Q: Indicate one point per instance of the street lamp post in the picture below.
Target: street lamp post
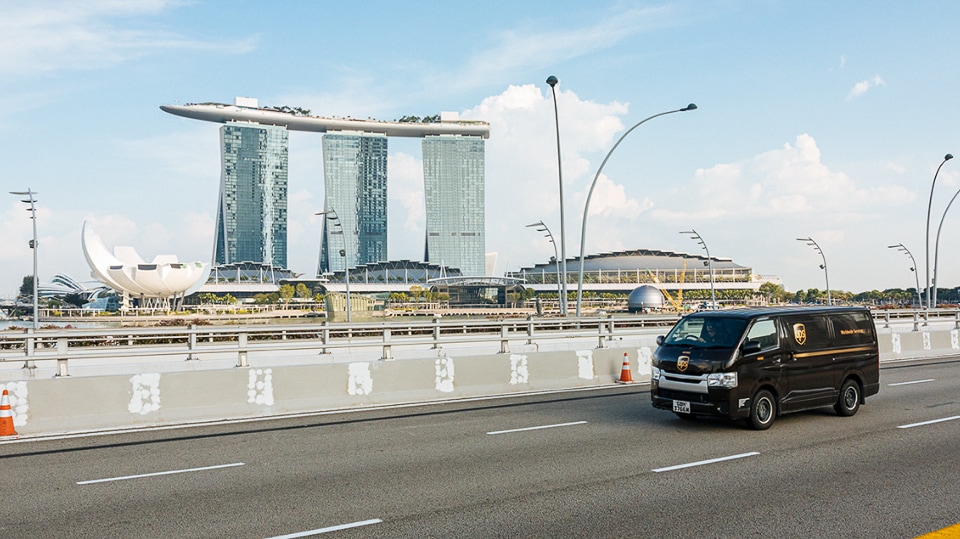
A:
(552, 81)
(543, 228)
(927, 235)
(823, 266)
(332, 215)
(586, 206)
(936, 248)
(713, 294)
(33, 245)
(903, 249)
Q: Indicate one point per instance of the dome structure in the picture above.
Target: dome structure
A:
(643, 298)
(153, 283)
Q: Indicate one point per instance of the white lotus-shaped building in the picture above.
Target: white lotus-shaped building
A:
(153, 283)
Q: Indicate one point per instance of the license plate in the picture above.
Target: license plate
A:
(681, 407)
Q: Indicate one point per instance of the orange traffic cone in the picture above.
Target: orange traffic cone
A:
(6, 417)
(626, 377)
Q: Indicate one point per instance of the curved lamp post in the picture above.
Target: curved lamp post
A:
(823, 266)
(586, 206)
(541, 227)
(552, 81)
(332, 215)
(33, 245)
(903, 249)
(927, 236)
(936, 248)
(713, 294)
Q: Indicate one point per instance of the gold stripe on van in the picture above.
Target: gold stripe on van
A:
(836, 351)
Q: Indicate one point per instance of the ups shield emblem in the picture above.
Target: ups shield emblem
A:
(682, 363)
(800, 334)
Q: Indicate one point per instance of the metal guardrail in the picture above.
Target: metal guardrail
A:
(66, 345)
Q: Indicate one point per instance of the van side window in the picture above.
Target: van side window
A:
(852, 329)
(807, 332)
(763, 332)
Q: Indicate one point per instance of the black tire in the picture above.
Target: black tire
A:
(763, 410)
(849, 400)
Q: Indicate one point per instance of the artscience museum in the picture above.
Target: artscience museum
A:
(161, 283)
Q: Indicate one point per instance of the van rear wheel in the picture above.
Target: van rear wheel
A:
(849, 401)
(763, 410)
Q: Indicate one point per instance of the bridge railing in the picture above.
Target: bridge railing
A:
(64, 346)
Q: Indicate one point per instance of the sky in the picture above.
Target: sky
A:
(817, 119)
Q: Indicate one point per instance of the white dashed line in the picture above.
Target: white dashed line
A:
(908, 383)
(931, 422)
(538, 428)
(329, 529)
(155, 474)
(702, 462)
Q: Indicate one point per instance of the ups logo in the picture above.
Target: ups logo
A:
(682, 363)
(800, 334)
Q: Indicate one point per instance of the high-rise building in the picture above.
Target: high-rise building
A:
(252, 211)
(453, 177)
(355, 180)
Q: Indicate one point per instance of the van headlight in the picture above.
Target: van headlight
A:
(722, 379)
(655, 373)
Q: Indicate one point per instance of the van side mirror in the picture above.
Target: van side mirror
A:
(659, 340)
(751, 347)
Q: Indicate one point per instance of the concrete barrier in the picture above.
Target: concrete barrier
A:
(76, 404)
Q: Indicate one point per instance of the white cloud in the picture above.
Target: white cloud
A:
(40, 37)
(863, 86)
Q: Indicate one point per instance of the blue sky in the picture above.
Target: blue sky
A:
(820, 119)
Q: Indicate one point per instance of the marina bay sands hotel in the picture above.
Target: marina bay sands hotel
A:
(252, 210)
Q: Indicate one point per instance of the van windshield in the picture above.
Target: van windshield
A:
(706, 332)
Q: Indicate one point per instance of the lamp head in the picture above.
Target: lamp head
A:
(948, 157)
(552, 81)
(691, 106)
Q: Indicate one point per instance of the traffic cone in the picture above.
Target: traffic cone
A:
(6, 417)
(626, 377)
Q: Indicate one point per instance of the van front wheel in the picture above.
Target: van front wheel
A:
(849, 401)
(763, 410)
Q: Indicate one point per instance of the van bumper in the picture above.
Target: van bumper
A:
(716, 402)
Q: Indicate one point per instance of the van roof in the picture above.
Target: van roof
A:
(755, 312)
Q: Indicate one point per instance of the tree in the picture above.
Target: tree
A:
(286, 292)
(773, 292)
(302, 291)
(26, 289)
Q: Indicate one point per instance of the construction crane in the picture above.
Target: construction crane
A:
(677, 303)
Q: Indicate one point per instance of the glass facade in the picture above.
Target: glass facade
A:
(355, 180)
(252, 212)
(453, 177)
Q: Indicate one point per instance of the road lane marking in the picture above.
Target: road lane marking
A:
(329, 529)
(538, 428)
(913, 382)
(931, 422)
(170, 472)
(702, 462)
(950, 532)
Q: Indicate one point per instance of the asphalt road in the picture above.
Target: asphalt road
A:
(599, 463)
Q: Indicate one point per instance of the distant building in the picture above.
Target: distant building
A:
(252, 211)
(355, 180)
(453, 177)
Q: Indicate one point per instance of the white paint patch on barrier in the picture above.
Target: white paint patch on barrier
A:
(895, 343)
(585, 364)
(260, 387)
(360, 381)
(926, 340)
(955, 339)
(145, 389)
(519, 373)
(17, 394)
(444, 369)
(644, 356)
